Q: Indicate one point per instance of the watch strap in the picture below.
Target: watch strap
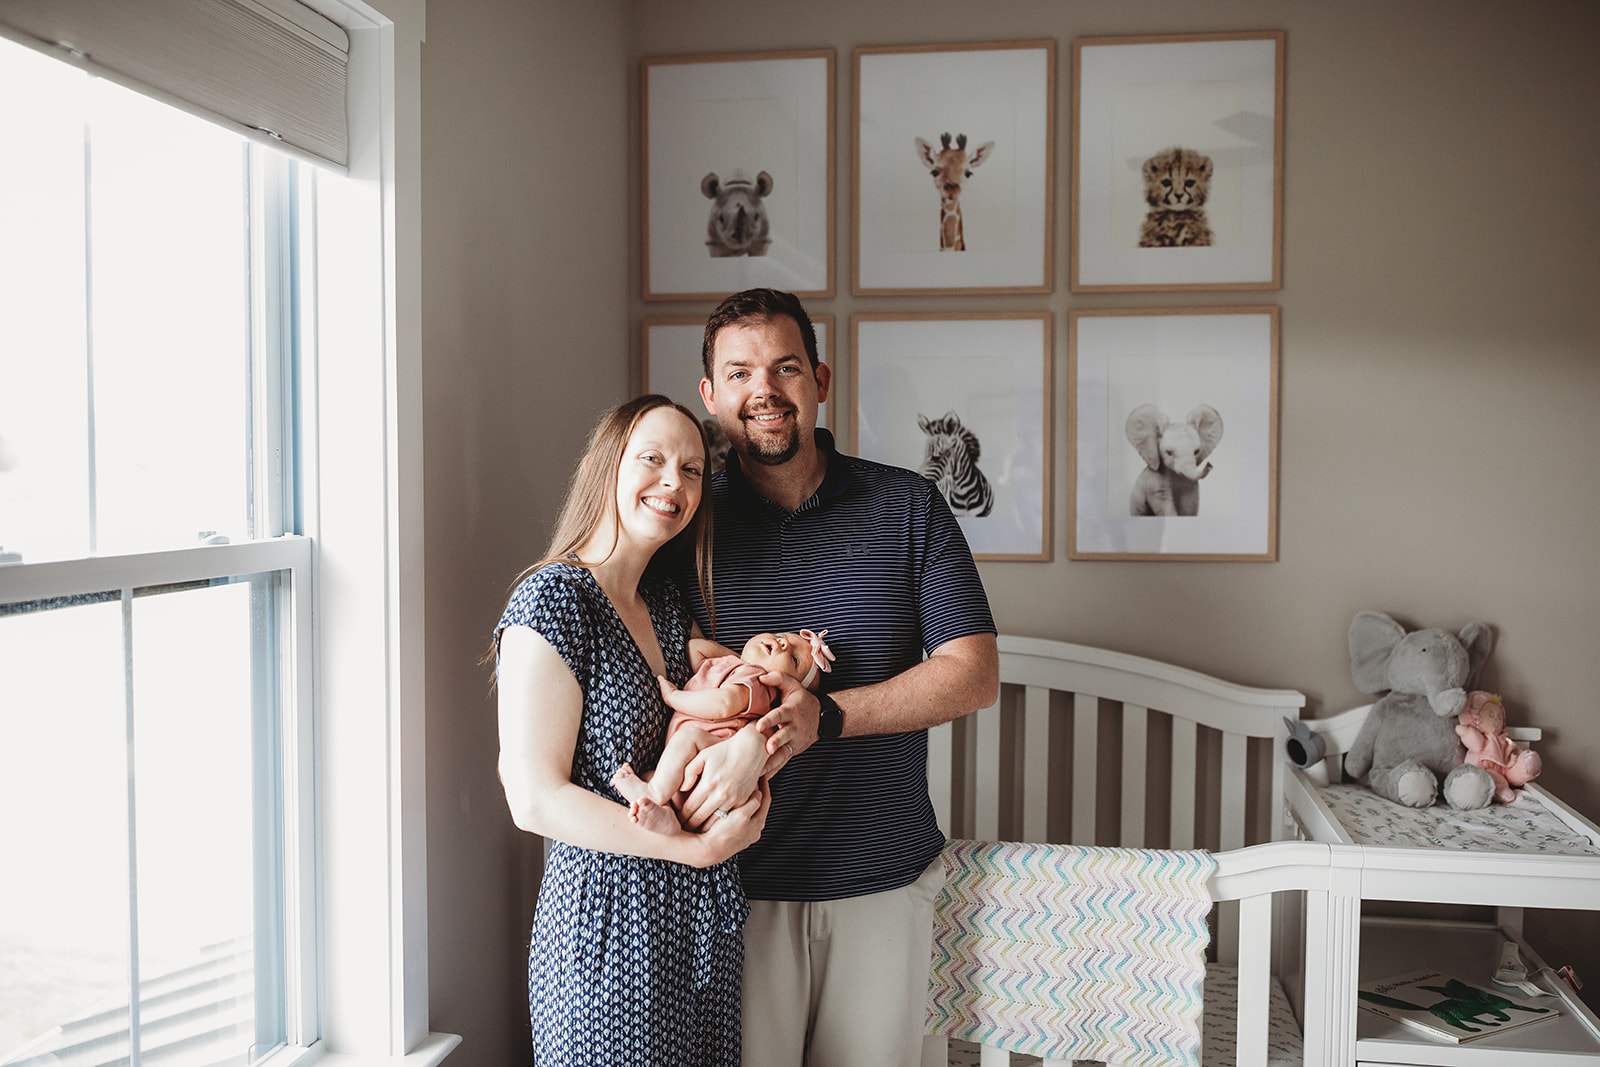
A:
(830, 720)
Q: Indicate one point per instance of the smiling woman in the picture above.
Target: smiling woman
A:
(578, 652)
(658, 483)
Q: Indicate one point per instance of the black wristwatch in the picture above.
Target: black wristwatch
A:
(830, 720)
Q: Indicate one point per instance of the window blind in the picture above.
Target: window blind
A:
(274, 67)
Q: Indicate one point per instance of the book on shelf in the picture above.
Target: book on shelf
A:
(1445, 1007)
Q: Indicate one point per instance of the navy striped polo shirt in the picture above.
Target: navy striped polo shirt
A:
(876, 559)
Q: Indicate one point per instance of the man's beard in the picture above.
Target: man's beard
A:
(769, 451)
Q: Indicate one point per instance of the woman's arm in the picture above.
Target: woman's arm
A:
(541, 710)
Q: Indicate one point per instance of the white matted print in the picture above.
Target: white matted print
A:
(954, 151)
(672, 368)
(964, 399)
(1177, 162)
(1175, 434)
(738, 174)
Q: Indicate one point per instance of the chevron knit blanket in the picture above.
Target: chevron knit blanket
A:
(1071, 952)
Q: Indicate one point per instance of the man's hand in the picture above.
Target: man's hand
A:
(793, 723)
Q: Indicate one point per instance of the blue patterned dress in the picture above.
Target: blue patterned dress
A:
(632, 961)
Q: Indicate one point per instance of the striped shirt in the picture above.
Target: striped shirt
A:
(876, 559)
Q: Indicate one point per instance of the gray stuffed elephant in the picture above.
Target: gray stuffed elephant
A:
(1174, 455)
(1408, 743)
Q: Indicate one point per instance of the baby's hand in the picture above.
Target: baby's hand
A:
(667, 688)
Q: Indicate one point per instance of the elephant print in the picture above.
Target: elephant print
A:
(1174, 455)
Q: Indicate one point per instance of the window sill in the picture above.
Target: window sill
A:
(430, 1052)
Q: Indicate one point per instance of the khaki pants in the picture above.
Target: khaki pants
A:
(840, 983)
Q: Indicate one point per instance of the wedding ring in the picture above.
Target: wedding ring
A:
(719, 813)
(790, 747)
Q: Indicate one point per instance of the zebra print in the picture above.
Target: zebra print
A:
(950, 462)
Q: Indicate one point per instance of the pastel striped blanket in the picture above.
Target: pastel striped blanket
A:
(1072, 952)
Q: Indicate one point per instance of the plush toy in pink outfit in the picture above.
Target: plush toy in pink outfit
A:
(1481, 726)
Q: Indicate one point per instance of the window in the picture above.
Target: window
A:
(354, 921)
(155, 626)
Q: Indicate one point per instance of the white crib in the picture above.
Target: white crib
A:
(1164, 757)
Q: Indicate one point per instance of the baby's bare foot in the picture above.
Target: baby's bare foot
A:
(655, 818)
(629, 784)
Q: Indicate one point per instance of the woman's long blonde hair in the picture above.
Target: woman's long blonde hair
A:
(591, 501)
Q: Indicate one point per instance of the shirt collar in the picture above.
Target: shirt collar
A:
(835, 480)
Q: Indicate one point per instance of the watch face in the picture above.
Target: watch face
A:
(830, 721)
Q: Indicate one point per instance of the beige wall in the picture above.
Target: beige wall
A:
(1439, 324)
(525, 236)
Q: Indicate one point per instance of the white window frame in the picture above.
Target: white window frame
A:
(357, 908)
(362, 415)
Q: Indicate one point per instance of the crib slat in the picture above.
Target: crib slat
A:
(941, 757)
(1234, 770)
(986, 743)
(1085, 761)
(1255, 949)
(1036, 764)
(1183, 749)
(1135, 752)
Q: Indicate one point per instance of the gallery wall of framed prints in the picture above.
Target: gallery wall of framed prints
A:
(1174, 169)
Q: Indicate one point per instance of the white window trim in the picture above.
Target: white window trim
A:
(363, 413)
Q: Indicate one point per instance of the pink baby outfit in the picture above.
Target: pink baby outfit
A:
(715, 673)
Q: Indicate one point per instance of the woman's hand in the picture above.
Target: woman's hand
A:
(724, 776)
(725, 838)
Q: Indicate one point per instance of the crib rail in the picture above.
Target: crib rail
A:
(1092, 747)
(992, 775)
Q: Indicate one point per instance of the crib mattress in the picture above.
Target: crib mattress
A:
(1217, 1045)
(1525, 825)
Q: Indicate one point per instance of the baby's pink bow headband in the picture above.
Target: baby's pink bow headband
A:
(821, 656)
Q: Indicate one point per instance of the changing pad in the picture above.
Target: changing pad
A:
(1525, 825)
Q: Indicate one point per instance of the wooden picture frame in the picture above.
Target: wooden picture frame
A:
(738, 175)
(1204, 111)
(670, 347)
(1128, 367)
(918, 378)
(978, 116)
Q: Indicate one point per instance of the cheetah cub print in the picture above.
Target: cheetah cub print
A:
(1176, 184)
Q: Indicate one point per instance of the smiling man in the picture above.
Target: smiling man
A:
(843, 880)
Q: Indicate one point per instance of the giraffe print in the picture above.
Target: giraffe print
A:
(951, 167)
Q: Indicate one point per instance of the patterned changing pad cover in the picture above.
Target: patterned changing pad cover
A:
(1525, 825)
(1217, 1045)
